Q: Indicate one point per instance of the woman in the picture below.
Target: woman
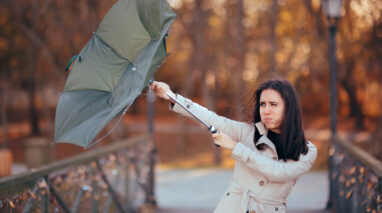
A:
(271, 152)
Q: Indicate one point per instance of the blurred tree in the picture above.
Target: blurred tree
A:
(53, 31)
(375, 66)
(348, 65)
(11, 57)
(300, 34)
(220, 51)
(196, 33)
(235, 53)
(273, 19)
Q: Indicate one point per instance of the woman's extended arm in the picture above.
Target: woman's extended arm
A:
(273, 170)
(233, 128)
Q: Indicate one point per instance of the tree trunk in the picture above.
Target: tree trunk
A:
(3, 109)
(272, 38)
(33, 114)
(197, 35)
(355, 107)
(197, 30)
(49, 128)
(209, 99)
(236, 51)
(347, 82)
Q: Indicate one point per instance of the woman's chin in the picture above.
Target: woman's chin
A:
(269, 125)
(273, 128)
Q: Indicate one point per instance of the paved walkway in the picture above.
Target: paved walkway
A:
(198, 190)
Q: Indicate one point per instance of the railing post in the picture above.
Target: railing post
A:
(355, 184)
(58, 198)
(95, 188)
(44, 202)
(127, 187)
(110, 188)
(42, 189)
(338, 184)
(77, 201)
(150, 199)
(332, 149)
(379, 198)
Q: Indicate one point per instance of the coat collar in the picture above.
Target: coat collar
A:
(261, 128)
(264, 139)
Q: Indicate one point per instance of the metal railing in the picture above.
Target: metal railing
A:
(355, 179)
(112, 178)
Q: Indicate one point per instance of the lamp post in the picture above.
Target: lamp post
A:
(332, 9)
(150, 198)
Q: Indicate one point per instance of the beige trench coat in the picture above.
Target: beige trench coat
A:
(260, 182)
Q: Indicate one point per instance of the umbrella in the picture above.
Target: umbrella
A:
(112, 69)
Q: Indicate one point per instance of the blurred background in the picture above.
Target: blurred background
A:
(220, 52)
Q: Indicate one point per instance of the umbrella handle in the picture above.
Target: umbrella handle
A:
(213, 131)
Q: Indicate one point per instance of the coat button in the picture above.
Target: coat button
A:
(188, 106)
(276, 209)
(261, 183)
(228, 193)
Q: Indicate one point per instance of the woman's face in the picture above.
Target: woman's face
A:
(271, 109)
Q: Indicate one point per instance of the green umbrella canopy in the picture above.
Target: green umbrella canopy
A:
(112, 69)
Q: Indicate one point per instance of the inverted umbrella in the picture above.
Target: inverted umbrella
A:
(112, 69)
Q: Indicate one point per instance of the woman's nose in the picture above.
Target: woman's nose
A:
(267, 110)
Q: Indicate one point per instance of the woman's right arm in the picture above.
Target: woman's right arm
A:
(274, 170)
(233, 128)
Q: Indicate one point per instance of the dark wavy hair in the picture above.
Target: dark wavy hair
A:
(292, 141)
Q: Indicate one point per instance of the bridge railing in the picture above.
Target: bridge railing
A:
(355, 179)
(112, 178)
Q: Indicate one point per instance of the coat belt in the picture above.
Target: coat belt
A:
(247, 194)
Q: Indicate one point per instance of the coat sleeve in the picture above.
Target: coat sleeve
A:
(235, 129)
(274, 170)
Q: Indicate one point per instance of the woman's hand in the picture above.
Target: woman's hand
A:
(161, 90)
(224, 140)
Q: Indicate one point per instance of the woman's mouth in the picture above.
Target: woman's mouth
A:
(268, 120)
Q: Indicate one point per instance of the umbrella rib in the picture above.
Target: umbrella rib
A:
(115, 52)
(164, 60)
(112, 129)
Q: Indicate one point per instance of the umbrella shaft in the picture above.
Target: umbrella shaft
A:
(210, 127)
(184, 107)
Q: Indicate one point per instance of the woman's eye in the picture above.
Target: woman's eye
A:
(262, 104)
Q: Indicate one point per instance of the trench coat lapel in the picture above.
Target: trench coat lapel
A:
(264, 139)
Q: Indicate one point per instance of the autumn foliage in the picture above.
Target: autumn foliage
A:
(220, 52)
